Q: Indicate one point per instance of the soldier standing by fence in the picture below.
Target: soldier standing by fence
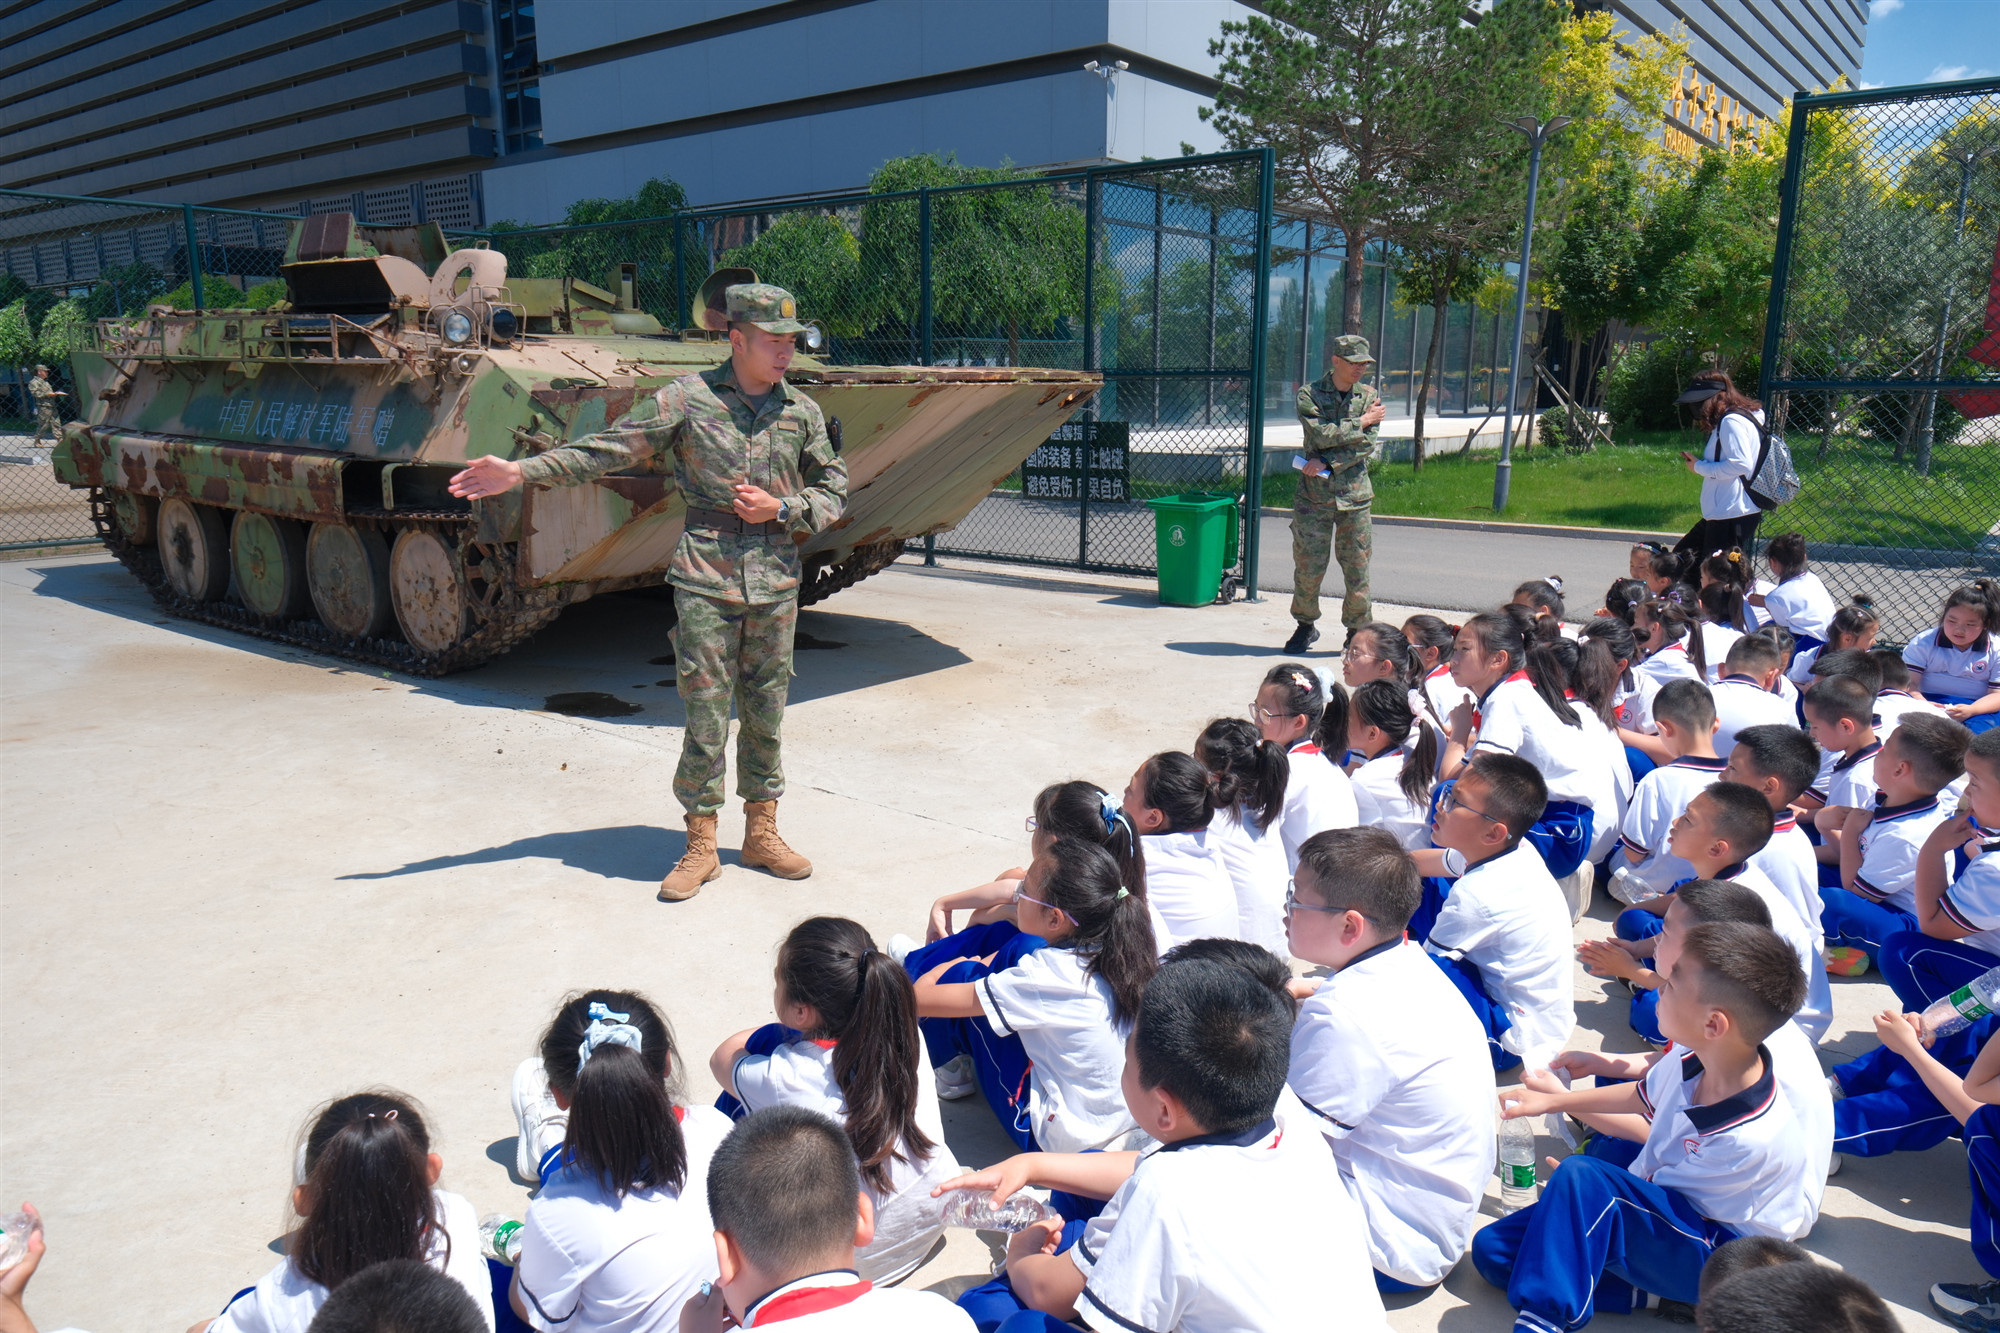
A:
(1340, 415)
(47, 418)
(752, 457)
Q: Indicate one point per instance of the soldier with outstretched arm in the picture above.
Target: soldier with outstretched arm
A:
(48, 421)
(752, 458)
(1341, 415)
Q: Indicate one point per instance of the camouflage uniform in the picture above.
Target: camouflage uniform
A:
(1331, 513)
(47, 419)
(736, 593)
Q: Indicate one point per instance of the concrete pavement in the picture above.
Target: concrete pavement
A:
(239, 879)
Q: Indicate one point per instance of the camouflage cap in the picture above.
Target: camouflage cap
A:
(771, 309)
(1350, 347)
(41, 370)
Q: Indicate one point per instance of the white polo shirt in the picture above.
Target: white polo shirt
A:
(907, 1218)
(841, 1302)
(1889, 847)
(1187, 882)
(1661, 797)
(1787, 860)
(1716, 641)
(1442, 693)
(1608, 779)
(1394, 1066)
(1741, 702)
(1892, 706)
(1635, 703)
(595, 1261)
(1806, 936)
(1973, 901)
(1740, 1161)
(1964, 674)
(1669, 664)
(1803, 1085)
(1802, 605)
(1508, 917)
(1381, 802)
(286, 1300)
(1800, 671)
(1318, 796)
(1512, 719)
(1254, 860)
(1851, 780)
(1076, 1050)
(1231, 1233)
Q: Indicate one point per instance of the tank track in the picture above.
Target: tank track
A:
(504, 617)
(819, 584)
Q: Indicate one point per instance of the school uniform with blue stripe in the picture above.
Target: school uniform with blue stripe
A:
(1513, 719)
(1920, 968)
(1883, 901)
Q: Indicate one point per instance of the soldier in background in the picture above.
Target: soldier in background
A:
(1341, 416)
(47, 419)
(752, 458)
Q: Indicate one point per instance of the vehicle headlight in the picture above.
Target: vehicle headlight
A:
(812, 338)
(457, 326)
(505, 326)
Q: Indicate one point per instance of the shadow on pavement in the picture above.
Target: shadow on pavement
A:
(1237, 650)
(632, 851)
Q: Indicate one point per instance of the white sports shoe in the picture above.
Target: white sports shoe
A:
(901, 947)
(955, 1079)
(542, 1124)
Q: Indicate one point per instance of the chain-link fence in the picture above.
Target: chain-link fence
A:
(1882, 351)
(66, 262)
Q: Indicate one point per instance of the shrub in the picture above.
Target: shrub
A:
(1641, 383)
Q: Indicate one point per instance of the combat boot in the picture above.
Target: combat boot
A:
(763, 847)
(698, 864)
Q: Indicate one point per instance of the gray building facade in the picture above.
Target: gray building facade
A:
(1757, 53)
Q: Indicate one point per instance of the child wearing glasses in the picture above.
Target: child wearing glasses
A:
(1388, 1058)
(1045, 1036)
(1503, 935)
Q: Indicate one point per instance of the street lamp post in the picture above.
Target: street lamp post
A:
(1538, 134)
(1967, 159)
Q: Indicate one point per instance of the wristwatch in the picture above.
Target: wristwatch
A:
(784, 511)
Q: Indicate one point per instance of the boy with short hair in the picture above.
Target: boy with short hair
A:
(1503, 936)
(397, 1296)
(1389, 1058)
(1958, 921)
(1724, 1155)
(1778, 762)
(1201, 1233)
(1840, 717)
(1747, 695)
(785, 1198)
(1878, 861)
(1684, 712)
(1896, 698)
(1794, 1296)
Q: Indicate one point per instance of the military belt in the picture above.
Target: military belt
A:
(727, 520)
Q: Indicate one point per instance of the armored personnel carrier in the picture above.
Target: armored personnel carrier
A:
(283, 472)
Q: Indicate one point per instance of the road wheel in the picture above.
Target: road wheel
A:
(427, 587)
(137, 516)
(269, 557)
(347, 570)
(194, 549)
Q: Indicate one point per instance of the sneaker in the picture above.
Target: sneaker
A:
(1833, 1086)
(1304, 637)
(955, 1079)
(901, 947)
(1834, 1164)
(542, 1124)
(1968, 1306)
(1674, 1312)
(1846, 962)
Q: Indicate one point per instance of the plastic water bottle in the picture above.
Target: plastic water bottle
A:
(15, 1231)
(976, 1211)
(1963, 1007)
(1517, 1163)
(500, 1238)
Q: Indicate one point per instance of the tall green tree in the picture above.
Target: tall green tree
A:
(17, 335)
(815, 258)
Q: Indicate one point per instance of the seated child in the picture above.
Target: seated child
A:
(1671, 641)
(1685, 714)
(1307, 718)
(1798, 600)
(1622, 599)
(1853, 628)
(1958, 662)
(790, 1212)
(1778, 762)
(1746, 695)
(1394, 772)
(1721, 606)
(1502, 935)
(1171, 803)
(399, 1296)
(1840, 717)
(620, 1223)
(1205, 1232)
(1898, 694)
(1249, 775)
(366, 1191)
(846, 1045)
(1376, 651)
(1389, 1058)
(1543, 597)
(1724, 1156)
(1878, 860)
(1958, 921)
(1795, 1294)
(1045, 1034)
(1885, 1103)
(1431, 643)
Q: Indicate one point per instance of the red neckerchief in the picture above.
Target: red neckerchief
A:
(1477, 714)
(809, 1300)
(824, 1043)
(680, 1114)
(1442, 669)
(1305, 747)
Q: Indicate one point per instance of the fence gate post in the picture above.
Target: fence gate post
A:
(924, 276)
(1253, 453)
(1090, 197)
(194, 252)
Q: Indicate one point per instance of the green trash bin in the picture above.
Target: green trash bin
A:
(1195, 535)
